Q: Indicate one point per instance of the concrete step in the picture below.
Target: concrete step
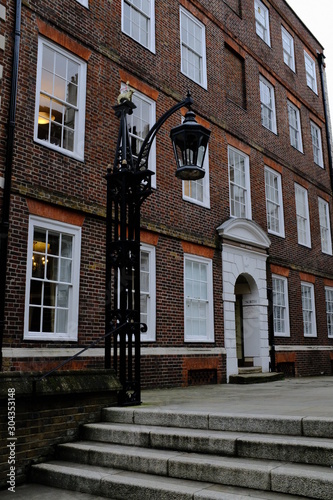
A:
(249, 369)
(317, 451)
(151, 454)
(304, 481)
(234, 422)
(255, 378)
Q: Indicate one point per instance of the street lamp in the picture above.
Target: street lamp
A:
(128, 185)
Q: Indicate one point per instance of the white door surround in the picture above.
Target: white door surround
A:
(244, 252)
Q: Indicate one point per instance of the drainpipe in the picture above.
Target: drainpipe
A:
(321, 58)
(4, 225)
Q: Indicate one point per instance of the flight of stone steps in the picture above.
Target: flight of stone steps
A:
(150, 454)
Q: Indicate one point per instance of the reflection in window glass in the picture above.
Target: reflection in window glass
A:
(60, 99)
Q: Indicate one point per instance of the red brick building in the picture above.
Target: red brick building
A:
(213, 251)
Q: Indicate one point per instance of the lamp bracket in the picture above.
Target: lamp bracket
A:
(142, 160)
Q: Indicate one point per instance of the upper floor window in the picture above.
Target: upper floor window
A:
(193, 48)
(267, 99)
(198, 293)
(295, 127)
(83, 2)
(280, 306)
(139, 124)
(138, 21)
(317, 144)
(52, 286)
(148, 291)
(329, 310)
(60, 100)
(239, 184)
(325, 227)
(310, 71)
(309, 313)
(262, 21)
(288, 48)
(198, 191)
(302, 215)
(274, 202)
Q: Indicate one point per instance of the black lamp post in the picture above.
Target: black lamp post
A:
(128, 185)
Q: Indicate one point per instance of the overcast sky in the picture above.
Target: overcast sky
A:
(317, 15)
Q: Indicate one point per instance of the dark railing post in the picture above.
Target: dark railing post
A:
(128, 184)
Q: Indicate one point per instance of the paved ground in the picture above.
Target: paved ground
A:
(311, 396)
(300, 397)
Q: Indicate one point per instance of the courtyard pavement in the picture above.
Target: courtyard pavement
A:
(310, 396)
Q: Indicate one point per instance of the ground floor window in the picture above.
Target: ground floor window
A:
(198, 278)
(308, 307)
(280, 306)
(52, 285)
(148, 291)
(329, 310)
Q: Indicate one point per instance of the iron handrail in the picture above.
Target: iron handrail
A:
(68, 360)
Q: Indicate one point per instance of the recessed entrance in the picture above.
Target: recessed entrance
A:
(241, 287)
(244, 253)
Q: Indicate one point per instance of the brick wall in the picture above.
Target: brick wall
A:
(231, 106)
(51, 415)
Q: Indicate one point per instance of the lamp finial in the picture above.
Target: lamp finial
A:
(126, 94)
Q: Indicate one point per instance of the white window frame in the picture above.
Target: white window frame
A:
(246, 187)
(288, 48)
(302, 216)
(281, 306)
(197, 192)
(274, 201)
(309, 310)
(209, 336)
(329, 310)
(138, 96)
(310, 72)
(150, 335)
(73, 308)
(261, 13)
(149, 17)
(78, 152)
(295, 129)
(186, 47)
(325, 226)
(267, 99)
(317, 144)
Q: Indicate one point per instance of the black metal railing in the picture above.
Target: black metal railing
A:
(114, 332)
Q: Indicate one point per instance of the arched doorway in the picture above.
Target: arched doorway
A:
(245, 304)
(247, 328)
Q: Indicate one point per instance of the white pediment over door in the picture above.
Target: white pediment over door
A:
(244, 231)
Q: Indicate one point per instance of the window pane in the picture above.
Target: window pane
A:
(53, 243)
(65, 270)
(49, 294)
(36, 290)
(48, 320)
(63, 296)
(66, 245)
(62, 321)
(34, 319)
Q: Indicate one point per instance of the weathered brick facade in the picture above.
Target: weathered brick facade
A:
(55, 186)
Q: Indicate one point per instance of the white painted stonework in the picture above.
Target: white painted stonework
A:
(244, 252)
